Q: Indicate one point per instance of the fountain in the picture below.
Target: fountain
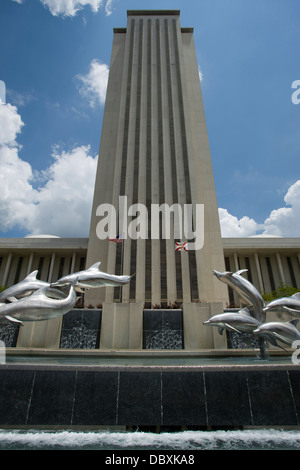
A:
(98, 387)
(81, 329)
(162, 329)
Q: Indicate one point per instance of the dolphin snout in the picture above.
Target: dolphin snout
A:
(216, 273)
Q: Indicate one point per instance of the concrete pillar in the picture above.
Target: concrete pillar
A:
(40, 334)
(197, 335)
(30, 261)
(280, 267)
(121, 326)
(51, 267)
(260, 281)
(73, 263)
(7, 269)
(236, 262)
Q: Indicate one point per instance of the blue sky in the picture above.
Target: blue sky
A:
(55, 57)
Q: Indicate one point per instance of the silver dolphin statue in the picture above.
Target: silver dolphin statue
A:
(26, 287)
(286, 304)
(241, 321)
(38, 306)
(92, 277)
(245, 289)
(285, 332)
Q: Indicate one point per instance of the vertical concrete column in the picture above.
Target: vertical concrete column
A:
(260, 281)
(280, 267)
(73, 263)
(7, 269)
(30, 261)
(236, 262)
(51, 267)
(121, 326)
(197, 335)
(40, 334)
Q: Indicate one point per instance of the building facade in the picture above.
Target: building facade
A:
(154, 150)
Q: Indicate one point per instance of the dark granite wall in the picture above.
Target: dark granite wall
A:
(70, 396)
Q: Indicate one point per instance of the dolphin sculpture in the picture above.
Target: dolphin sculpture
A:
(245, 289)
(91, 278)
(286, 304)
(241, 321)
(38, 306)
(285, 332)
(26, 287)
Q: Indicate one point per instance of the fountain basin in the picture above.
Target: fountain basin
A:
(201, 389)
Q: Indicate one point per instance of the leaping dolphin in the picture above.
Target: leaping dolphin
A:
(245, 289)
(286, 304)
(26, 287)
(241, 321)
(91, 278)
(285, 332)
(38, 306)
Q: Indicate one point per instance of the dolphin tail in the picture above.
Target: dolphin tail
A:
(241, 271)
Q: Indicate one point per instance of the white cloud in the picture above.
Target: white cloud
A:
(231, 226)
(94, 84)
(10, 124)
(285, 221)
(71, 7)
(62, 204)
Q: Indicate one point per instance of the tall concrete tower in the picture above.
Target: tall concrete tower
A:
(154, 150)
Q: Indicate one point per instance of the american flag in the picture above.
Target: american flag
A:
(181, 246)
(117, 239)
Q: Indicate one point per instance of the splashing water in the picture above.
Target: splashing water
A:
(266, 439)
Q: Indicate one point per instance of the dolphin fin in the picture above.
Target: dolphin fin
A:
(220, 330)
(274, 342)
(241, 271)
(95, 265)
(291, 310)
(230, 327)
(14, 320)
(32, 276)
(294, 322)
(12, 299)
(296, 295)
(79, 289)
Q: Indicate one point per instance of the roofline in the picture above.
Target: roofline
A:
(153, 12)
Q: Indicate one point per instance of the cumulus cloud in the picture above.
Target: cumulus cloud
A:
(71, 7)
(62, 204)
(93, 85)
(231, 226)
(10, 124)
(285, 221)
